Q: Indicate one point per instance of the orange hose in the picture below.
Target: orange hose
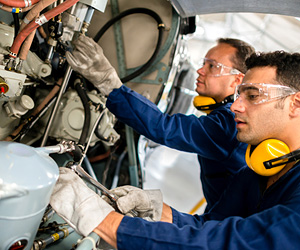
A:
(26, 45)
(38, 22)
(33, 13)
(18, 3)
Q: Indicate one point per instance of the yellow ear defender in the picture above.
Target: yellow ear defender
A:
(207, 104)
(270, 157)
(203, 103)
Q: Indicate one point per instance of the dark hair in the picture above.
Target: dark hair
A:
(244, 50)
(287, 66)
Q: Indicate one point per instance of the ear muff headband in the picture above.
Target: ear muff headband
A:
(260, 158)
(207, 104)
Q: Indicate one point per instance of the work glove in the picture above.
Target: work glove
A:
(148, 203)
(88, 60)
(77, 204)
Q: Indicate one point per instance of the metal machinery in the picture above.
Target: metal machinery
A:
(51, 116)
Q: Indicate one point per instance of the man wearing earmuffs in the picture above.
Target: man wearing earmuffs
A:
(212, 137)
(260, 209)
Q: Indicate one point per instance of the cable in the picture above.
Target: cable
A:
(87, 112)
(159, 40)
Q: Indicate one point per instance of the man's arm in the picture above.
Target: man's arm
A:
(275, 228)
(216, 131)
(108, 228)
(166, 215)
(188, 133)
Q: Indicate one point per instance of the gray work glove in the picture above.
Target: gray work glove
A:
(88, 60)
(148, 203)
(77, 204)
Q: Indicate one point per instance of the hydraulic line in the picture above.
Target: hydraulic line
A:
(32, 120)
(117, 171)
(32, 14)
(89, 168)
(90, 137)
(61, 91)
(87, 111)
(26, 47)
(88, 242)
(14, 50)
(36, 114)
(161, 27)
(18, 3)
(41, 5)
(99, 136)
(43, 243)
(16, 23)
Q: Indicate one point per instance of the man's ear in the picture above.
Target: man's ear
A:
(295, 105)
(238, 79)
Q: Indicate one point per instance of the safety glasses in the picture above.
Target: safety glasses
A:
(216, 69)
(256, 93)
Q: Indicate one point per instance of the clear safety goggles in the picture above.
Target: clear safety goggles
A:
(256, 93)
(213, 68)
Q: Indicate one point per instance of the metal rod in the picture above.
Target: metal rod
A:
(55, 108)
(90, 136)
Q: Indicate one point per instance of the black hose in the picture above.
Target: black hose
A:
(87, 112)
(16, 24)
(96, 132)
(159, 40)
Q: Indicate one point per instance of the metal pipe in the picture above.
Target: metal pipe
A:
(88, 242)
(40, 244)
(62, 90)
(63, 147)
(90, 136)
(89, 168)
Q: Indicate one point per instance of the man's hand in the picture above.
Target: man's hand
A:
(88, 60)
(77, 204)
(148, 203)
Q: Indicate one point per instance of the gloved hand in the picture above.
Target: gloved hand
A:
(77, 204)
(88, 60)
(148, 203)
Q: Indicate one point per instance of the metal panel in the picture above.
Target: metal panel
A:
(188, 8)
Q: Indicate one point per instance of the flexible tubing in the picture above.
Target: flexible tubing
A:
(26, 45)
(42, 32)
(159, 40)
(38, 22)
(18, 3)
(33, 13)
(87, 112)
(16, 24)
(117, 171)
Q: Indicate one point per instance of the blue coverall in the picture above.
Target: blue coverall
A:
(212, 137)
(246, 217)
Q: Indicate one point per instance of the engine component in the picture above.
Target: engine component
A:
(24, 200)
(69, 120)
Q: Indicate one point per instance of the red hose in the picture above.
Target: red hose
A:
(33, 25)
(18, 3)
